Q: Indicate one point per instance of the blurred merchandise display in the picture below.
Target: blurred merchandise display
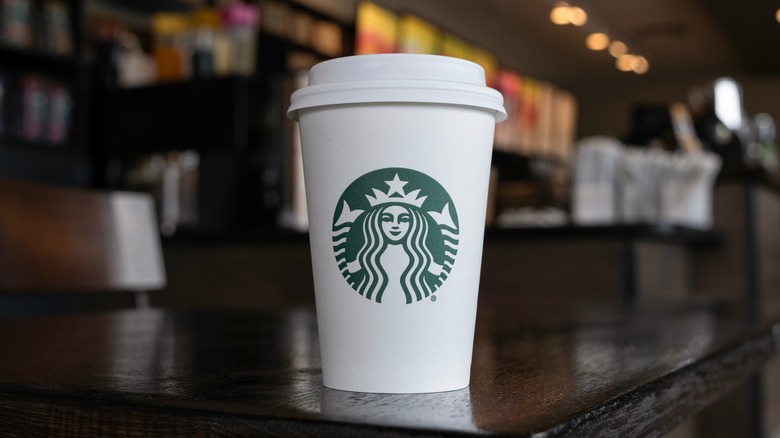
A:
(326, 38)
(240, 23)
(60, 104)
(301, 27)
(416, 35)
(276, 18)
(594, 190)
(172, 178)
(34, 101)
(376, 30)
(44, 25)
(35, 108)
(183, 47)
(664, 170)
(170, 48)
(17, 23)
(43, 92)
(302, 24)
(712, 120)
(542, 117)
(134, 67)
(56, 33)
(222, 76)
(764, 145)
(202, 44)
(614, 183)
(203, 24)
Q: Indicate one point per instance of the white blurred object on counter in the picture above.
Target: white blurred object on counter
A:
(686, 192)
(617, 184)
(594, 199)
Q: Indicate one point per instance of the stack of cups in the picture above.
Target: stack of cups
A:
(396, 156)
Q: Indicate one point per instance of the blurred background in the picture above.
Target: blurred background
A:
(640, 151)
(186, 99)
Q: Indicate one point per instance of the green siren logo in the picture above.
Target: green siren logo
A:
(395, 228)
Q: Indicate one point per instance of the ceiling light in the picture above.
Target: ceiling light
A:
(640, 65)
(597, 41)
(560, 13)
(625, 62)
(777, 15)
(617, 48)
(577, 16)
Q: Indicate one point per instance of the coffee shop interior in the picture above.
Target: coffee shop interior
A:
(638, 168)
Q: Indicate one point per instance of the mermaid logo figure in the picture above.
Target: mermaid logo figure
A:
(395, 227)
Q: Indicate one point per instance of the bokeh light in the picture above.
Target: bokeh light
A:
(560, 13)
(597, 41)
(625, 62)
(577, 16)
(617, 48)
(640, 65)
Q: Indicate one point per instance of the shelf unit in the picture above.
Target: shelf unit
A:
(63, 163)
(237, 124)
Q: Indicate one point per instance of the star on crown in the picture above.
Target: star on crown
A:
(396, 194)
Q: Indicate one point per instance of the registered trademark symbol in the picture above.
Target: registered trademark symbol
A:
(433, 297)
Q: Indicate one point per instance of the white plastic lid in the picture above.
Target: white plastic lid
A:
(397, 78)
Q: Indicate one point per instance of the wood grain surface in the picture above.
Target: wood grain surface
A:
(542, 371)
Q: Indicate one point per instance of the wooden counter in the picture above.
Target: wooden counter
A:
(537, 371)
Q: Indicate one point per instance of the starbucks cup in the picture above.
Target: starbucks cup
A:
(396, 156)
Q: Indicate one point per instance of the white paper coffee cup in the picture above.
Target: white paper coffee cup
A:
(396, 155)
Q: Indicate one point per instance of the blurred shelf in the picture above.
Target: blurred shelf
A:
(204, 115)
(56, 165)
(260, 236)
(22, 144)
(750, 174)
(286, 45)
(673, 235)
(685, 236)
(17, 58)
(148, 7)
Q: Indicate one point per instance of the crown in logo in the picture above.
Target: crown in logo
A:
(396, 194)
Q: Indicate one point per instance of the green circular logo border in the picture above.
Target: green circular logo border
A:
(395, 206)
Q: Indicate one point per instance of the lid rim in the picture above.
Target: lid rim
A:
(401, 90)
(499, 115)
